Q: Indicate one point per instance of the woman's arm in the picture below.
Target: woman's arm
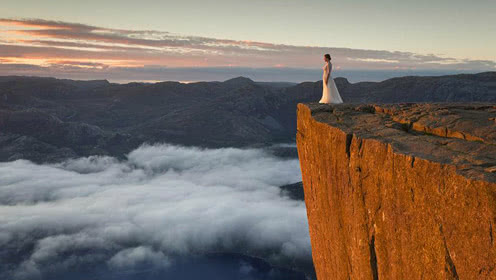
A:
(328, 74)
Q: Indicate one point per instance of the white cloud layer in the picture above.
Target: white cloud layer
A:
(163, 201)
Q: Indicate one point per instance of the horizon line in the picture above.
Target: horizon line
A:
(124, 82)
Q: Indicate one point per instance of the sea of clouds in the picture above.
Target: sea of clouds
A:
(161, 203)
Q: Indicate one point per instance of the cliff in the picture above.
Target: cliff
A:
(405, 191)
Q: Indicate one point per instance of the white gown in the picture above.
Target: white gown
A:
(330, 93)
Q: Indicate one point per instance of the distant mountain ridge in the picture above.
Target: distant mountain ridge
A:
(48, 119)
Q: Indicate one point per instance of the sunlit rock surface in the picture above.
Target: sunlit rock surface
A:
(402, 191)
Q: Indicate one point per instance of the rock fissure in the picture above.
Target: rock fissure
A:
(373, 259)
(450, 266)
(491, 232)
(453, 128)
(349, 138)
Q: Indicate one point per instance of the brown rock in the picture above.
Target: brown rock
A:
(400, 191)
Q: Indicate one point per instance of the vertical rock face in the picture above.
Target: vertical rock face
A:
(400, 191)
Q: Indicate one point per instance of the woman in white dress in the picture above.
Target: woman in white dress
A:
(330, 93)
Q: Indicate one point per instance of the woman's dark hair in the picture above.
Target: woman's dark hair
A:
(328, 56)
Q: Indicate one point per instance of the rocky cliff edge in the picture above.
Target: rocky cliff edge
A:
(400, 191)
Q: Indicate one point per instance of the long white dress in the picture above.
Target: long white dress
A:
(330, 93)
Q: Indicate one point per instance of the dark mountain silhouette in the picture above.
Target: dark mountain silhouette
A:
(47, 119)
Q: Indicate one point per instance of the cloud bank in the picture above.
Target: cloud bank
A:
(62, 49)
(162, 203)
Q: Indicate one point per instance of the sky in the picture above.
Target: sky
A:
(158, 40)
